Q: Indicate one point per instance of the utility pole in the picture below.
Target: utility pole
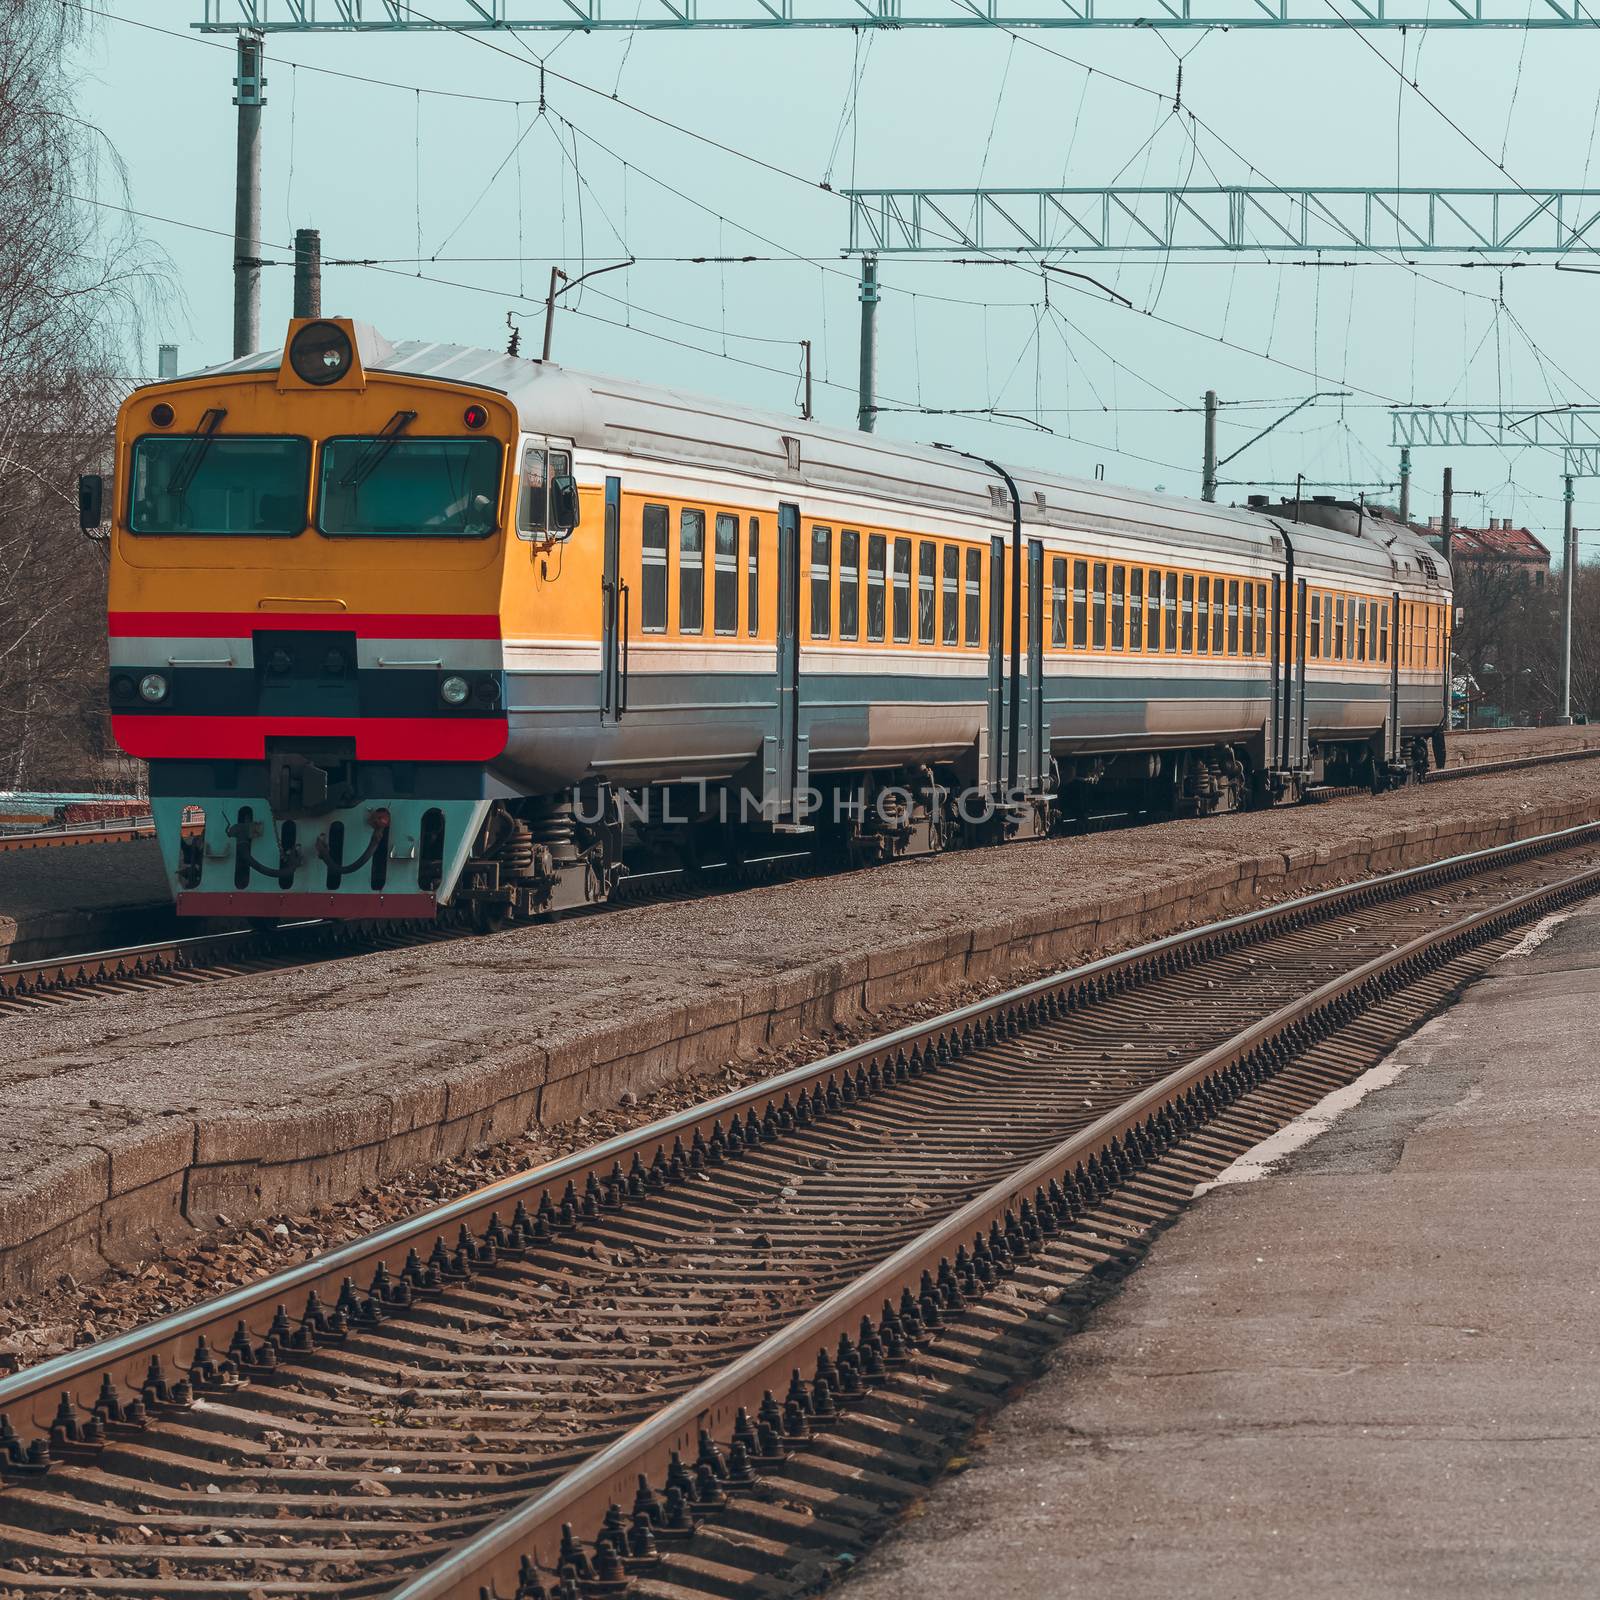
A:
(307, 272)
(1405, 483)
(867, 414)
(558, 277)
(1569, 563)
(805, 355)
(1449, 514)
(249, 98)
(1208, 474)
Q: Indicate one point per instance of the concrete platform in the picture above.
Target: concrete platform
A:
(1374, 1373)
(79, 896)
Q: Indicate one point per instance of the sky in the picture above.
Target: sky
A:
(458, 192)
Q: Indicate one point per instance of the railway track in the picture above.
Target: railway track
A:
(212, 957)
(717, 1351)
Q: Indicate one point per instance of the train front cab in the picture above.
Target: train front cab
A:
(305, 638)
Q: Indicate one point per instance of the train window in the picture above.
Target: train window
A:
(1098, 637)
(217, 484)
(927, 573)
(405, 487)
(1338, 628)
(1315, 633)
(821, 582)
(752, 556)
(1383, 631)
(1058, 602)
(1136, 608)
(1080, 605)
(876, 547)
(849, 584)
(1119, 583)
(653, 573)
(1188, 614)
(1202, 629)
(1261, 619)
(1219, 616)
(532, 489)
(902, 591)
(1233, 616)
(1362, 608)
(973, 596)
(725, 577)
(951, 632)
(691, 571)
(1248, 628)
(1169, 608)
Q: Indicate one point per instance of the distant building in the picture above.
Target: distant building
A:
(1499, 546)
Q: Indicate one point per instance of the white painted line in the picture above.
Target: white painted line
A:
(1261, 1160)
(1536, 935)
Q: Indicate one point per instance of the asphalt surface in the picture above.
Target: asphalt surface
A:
(1375, 1372)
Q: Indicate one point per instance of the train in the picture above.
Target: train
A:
(428, 631)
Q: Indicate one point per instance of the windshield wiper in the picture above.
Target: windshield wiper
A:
(196, 453)
(367, 462)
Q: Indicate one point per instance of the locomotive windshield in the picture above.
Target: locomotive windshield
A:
(418, 488)
(219, 484)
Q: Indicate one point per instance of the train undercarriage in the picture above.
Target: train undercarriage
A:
(537, 856)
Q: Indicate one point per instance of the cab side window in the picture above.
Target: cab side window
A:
(533, 490)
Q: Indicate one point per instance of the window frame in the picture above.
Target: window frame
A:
(724, 566)
(820, 614)
(950, 595)
(927, 591)
(900, 590)
(664, 565)
(878, 579)
(850, 540)
(972, 600)
(752, 558)
(696, 587)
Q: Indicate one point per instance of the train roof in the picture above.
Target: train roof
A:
(624, 416)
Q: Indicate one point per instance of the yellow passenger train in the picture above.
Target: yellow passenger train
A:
(419, 626)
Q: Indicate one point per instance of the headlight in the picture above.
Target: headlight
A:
(453, 691)
(153, 687)
(320, 353)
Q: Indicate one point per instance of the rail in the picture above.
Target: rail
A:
(29, 1397)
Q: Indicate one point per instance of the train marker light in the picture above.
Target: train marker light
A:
(475, 416)
(161, 414)
(153, 687)
(453, 691)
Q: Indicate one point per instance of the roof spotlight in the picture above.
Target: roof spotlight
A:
(320, 353)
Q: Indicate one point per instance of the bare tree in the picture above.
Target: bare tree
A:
(72, 284)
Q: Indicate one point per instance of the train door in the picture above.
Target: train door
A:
(1038, 762)
(613, 611)
(1394, 743)
(997, 681)
(1276, 729)
(784, 755)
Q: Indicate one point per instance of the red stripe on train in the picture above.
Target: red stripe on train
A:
(157, 737)
(239, 624)
(358, 906)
